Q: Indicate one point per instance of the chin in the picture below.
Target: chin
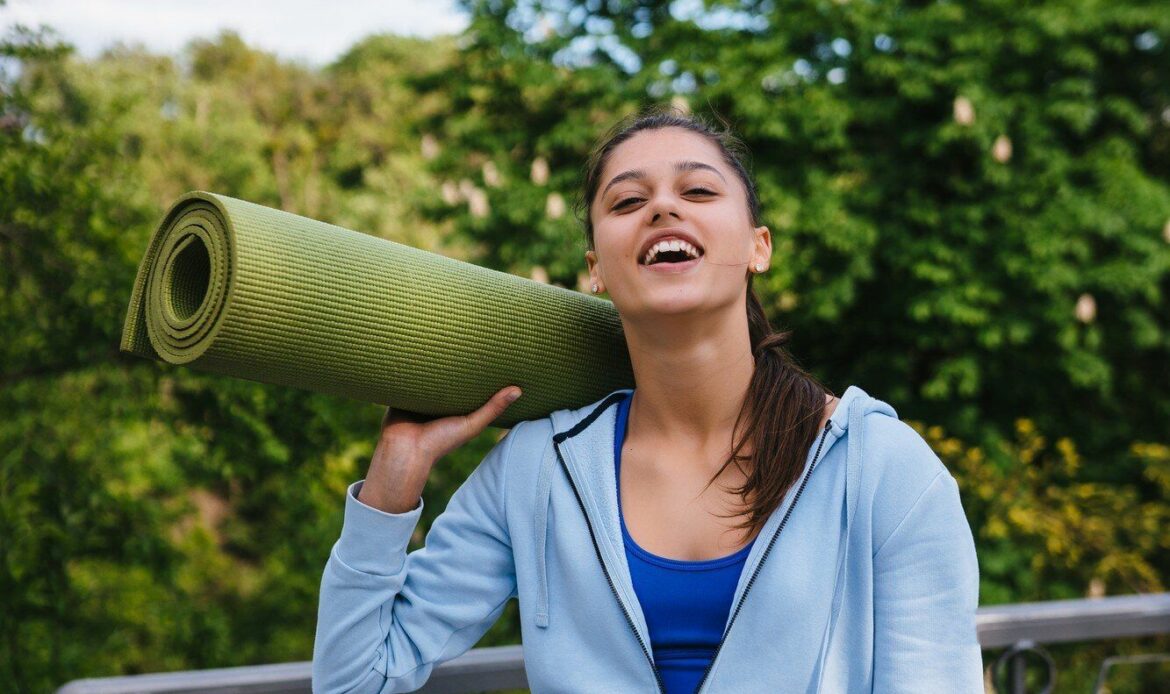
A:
(677, 304)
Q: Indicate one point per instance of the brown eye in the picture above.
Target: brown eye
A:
(625, 203)
(700, 191)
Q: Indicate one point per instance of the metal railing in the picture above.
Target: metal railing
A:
(1024, 627)
(1021, 628)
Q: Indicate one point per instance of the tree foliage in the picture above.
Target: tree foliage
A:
(154, 518)
(970, 209)
(945, 182)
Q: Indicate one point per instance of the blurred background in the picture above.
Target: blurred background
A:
(969, 202)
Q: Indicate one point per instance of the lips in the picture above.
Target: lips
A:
(672, 233)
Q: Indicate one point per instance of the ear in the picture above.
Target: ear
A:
(762, 253)
(594, 274)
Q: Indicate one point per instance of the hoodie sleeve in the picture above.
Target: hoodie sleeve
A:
(386, 618)
(926, 590)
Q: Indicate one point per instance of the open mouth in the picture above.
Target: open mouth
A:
(671, 252)
(672, 257)
(673, 265)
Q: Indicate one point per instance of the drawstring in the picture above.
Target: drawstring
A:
(856, 442)
(543, 500)
(853, 459)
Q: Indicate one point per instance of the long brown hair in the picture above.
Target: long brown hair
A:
(784, 405)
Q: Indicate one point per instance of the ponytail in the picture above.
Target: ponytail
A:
(781, 417)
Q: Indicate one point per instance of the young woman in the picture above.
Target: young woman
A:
(725, 526)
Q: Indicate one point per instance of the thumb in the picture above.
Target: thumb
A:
(492, 409)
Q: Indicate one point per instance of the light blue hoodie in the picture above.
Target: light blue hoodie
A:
(872, 584)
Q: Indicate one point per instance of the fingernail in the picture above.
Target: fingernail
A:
(511, 397)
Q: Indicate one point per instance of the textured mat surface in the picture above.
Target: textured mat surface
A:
(235, 288)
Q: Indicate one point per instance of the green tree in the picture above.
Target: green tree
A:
(154, 518)
(969, 201)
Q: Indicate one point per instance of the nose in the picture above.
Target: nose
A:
(662, 205)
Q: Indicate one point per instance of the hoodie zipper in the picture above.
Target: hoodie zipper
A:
(597, 549)
(763, 558)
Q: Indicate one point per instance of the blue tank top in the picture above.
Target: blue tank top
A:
(686, 603)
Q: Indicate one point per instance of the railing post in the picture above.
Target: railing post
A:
(1019, 668)
(1015, 661)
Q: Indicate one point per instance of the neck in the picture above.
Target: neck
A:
(692, 374)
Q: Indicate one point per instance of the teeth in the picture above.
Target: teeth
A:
(671, 245)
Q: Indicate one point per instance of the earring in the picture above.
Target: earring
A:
(759, 267)
(594, 288)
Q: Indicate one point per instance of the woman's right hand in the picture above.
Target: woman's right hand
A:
(410, 444)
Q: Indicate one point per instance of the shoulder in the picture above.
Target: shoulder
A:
(898, 468)
(915, 513)
(529, 442)
(897, 454)
(521, 449)
(527, 435)
(524, 440)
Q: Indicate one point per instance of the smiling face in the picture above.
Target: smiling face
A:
(671, 183)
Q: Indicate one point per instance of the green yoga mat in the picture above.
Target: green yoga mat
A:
(235, 288)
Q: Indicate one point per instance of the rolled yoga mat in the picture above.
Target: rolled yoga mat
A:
(235, 288)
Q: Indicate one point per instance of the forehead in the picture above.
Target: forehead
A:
(663, 147)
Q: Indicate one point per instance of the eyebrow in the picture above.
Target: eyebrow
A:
(679, 166)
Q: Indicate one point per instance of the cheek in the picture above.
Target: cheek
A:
(613, 240)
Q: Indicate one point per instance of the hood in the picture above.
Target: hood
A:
(583, 439)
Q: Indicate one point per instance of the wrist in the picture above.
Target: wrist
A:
(377, 497)
(394, 485)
